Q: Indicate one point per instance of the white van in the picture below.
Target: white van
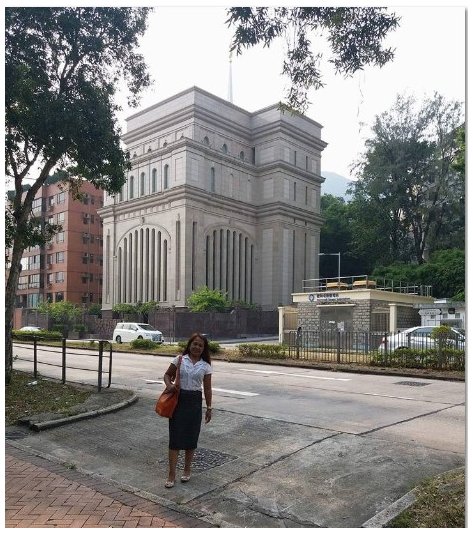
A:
(129, 331)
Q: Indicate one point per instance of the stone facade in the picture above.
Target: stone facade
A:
(216, 196)
(360, 310)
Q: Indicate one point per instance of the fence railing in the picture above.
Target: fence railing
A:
(376, 348)
(64, 360)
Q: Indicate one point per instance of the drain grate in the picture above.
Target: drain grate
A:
(204, 459)
(412, 383)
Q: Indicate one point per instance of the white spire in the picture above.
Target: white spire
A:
(230, 88)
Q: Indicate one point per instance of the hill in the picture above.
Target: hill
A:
(335, 184)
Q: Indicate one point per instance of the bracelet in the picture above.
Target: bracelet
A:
(209, 408)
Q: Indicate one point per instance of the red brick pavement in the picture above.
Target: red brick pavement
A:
(41, 493)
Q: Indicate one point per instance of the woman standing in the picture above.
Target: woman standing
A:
(184, 426)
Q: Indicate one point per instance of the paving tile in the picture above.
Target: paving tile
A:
(41, 493)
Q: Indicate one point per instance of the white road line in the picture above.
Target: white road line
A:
(241, 393)
(386, 396)
(294, 375)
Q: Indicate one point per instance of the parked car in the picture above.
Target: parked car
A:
(30, 328)
(129, 331)
(420, 338)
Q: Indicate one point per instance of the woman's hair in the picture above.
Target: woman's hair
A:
(206, 353)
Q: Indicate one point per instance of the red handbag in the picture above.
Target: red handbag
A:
(167, 402)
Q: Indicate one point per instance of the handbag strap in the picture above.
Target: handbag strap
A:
(178, 373)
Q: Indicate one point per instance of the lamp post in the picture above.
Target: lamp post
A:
(336, 253)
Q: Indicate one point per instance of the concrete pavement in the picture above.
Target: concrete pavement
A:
(249, 471)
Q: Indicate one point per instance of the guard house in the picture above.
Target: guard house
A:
(355, 303)
(442, 312)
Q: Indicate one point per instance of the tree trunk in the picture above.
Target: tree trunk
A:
(10, 296)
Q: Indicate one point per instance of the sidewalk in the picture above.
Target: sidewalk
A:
(42, 493)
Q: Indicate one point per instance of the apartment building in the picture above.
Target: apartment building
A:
(70, 266)
(216, 196)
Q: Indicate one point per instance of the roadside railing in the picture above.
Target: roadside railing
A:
(101, 360)
(375, 348)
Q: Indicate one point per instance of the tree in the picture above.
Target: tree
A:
(62, 66)
(407, 177)
(336, 236)
(355, 36)
(445, 272)
(205, 299)
(64, 314)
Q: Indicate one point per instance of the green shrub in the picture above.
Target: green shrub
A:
(269, 351)
(145, 344)
(214, 347)
(40, 335)
(433, 358)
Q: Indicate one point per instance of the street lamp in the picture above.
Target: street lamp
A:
(336, 253)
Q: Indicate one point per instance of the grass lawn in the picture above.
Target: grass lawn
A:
(26, 396)
(440, 502)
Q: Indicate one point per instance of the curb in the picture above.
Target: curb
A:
(392, 511)
(40, 426)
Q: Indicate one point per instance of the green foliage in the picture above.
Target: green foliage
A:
(445, 271)
(241, 304)
(145, 344)
(214, 347)
(355, 36)
(407, 195)
(95, 309)
(269, 351)
(205, 299)
(124, 309)
(61, 312)
(444, 359)
(40, 335)
(145, 308)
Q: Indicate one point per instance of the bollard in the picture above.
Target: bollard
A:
(339, 338)
(63, 360)
(100, 365)
(35, 357)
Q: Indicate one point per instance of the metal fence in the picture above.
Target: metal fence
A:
(376, 348)
(68, 360)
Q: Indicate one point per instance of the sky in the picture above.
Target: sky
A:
(189, 46)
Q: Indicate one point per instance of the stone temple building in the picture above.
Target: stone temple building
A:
(217, 196)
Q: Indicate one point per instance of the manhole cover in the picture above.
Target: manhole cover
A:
(205, 459)
(412, 383)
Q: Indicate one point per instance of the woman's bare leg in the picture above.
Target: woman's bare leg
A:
(188, 462)
(173, 457)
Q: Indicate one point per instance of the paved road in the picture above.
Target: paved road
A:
(286, 447)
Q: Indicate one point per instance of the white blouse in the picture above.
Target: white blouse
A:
(192, 376)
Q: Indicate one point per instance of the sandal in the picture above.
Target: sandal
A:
(185, 479)
(169, 484)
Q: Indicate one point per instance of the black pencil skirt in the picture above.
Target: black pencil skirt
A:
(184, 426)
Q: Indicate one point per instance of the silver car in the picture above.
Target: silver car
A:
(420, 338)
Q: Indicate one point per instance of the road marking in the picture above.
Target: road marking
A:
(241, 393)
(294, 375)
(386, 396)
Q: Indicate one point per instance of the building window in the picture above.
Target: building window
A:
(225, 149)
(154, 180)
(295, 191)
(142, 184)
(59, 296)
(59, 277)
(206, 141)
(59, 257)
(61, 198)
(242, 155)
(60, 217)
(50, 279)
(166, 177)
(212, 180)
(132, 179)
